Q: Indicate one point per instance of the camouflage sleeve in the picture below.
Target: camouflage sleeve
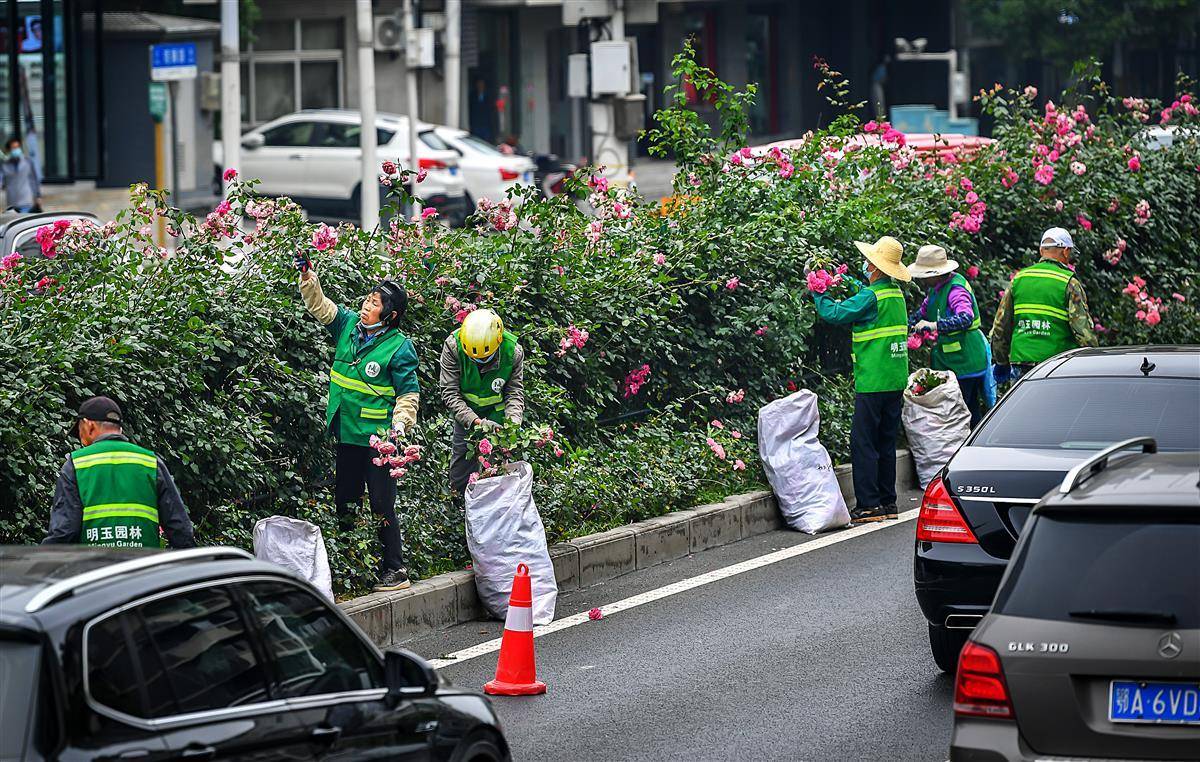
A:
(1078, 316)
(1001, 335)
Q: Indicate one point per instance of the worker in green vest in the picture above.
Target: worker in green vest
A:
(113, 493)
(951, 310)
(1044, 311)
(879, 332)
(481, 378)
(373, 391)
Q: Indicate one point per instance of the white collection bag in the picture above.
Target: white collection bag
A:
(503, 530)
(798, 465)
(937, 422)
(297, 546)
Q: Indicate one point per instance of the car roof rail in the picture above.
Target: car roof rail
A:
(1098, 462)
(63, 588)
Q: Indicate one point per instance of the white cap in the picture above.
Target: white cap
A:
(1057, 237)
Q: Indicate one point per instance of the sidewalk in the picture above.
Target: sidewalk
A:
(84, 196)
(653, 177)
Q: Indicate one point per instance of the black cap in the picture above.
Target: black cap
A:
(100, 409)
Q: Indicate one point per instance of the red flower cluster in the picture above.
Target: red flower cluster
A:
(635, 379)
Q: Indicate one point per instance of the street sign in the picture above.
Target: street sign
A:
(172, 61)
(158, 100)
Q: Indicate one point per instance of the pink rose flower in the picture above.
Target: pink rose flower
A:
(1044, 174)
(324, 237)
(1179, 297)
(595, 614)
(1135, 163)
(732, 283)
(1153, 318)
(428, 213)
(871, 126)
(229, 175)
(738, 465)
(972, 272)
(736, 397)
(716, 424)
(914, 341)
(485, 447)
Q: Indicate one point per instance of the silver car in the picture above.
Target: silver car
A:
(1092, 646)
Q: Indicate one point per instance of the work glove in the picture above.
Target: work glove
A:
(487, 424)
(1002, 373)
(398, 432)
(924, 325)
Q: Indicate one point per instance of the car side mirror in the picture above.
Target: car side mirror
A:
(407, 675)
(253, 141)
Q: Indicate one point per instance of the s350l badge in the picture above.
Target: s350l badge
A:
(975, 489)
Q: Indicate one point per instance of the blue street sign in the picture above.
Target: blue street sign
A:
(173, 60)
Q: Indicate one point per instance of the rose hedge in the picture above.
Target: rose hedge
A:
(642, 325)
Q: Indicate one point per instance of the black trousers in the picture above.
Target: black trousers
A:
(461, 467)
(972, 392)
(354, 471)
(873, 447)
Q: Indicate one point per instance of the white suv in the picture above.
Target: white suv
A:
(314, 158)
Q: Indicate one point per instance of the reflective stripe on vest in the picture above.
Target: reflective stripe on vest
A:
(115, 458)
(879, 347)
(109, 510)
(1041, 327)
(354, 385)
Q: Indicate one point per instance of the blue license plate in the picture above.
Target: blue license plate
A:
(1160, 703)
(528, 177)
(453, 171)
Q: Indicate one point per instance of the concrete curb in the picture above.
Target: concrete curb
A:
(449, 599)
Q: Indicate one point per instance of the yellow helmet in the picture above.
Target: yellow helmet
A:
(481, 334)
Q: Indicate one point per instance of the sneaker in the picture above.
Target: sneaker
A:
(865, 515)
(891, 511)
(396, 579)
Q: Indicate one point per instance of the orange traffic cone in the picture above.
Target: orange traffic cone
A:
(516, 674)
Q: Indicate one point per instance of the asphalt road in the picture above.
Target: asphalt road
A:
(823, 656)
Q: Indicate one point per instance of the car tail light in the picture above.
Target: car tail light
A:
(506, 174)
(979, 687)
(431, 164)
(939, 519)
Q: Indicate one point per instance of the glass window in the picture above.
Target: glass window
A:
(314, 651)
(290, 134)
(1091, 413)
(18, 689)
(335, 135)
(480, 145)
(319, 84)
(434, 141)
(321, 34)
(198, 641)
(112, 678)
(275, 35)
(1084, 566)
(274, 90)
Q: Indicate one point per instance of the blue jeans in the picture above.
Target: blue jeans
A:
(24, 209)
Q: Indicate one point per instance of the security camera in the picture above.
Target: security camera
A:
(903, 46)
(919, 44)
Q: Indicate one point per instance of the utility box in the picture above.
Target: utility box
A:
(575, 11)
(629, 116)
(577, 75)
(419, 49)
(612, 63)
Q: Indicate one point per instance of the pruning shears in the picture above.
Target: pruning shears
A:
(302, 264)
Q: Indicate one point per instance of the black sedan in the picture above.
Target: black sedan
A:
(1053, 418)
(114, 654)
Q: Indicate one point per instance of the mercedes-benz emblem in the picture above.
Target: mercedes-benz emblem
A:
(1170, 645)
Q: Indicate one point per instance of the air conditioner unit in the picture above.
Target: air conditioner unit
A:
(389, 34)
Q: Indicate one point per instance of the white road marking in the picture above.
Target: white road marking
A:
(490, 646)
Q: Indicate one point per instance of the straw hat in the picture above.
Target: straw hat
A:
(931, 261)
(885, 254)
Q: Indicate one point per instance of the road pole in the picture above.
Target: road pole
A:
(231, 87)
(369, 187)
(453, 57)
(411, 58)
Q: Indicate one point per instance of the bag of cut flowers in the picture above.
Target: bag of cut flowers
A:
(936, 419)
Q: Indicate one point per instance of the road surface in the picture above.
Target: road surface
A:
(821, 656)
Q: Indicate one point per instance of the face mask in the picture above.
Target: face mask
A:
(484, 360)
(866, 270)
(372, 326)
(16, 153)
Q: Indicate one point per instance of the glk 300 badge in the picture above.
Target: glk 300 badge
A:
(1041, 648)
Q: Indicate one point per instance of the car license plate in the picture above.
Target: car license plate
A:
(1160, 703)
(528, 177)
(453, 171)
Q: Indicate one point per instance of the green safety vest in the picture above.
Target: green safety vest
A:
(361, 395)
(118, 486)
(964, 352)
(484, 392)
(880, 347)
(1040, 326)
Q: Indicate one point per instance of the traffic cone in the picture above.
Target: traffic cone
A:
(516, 674)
